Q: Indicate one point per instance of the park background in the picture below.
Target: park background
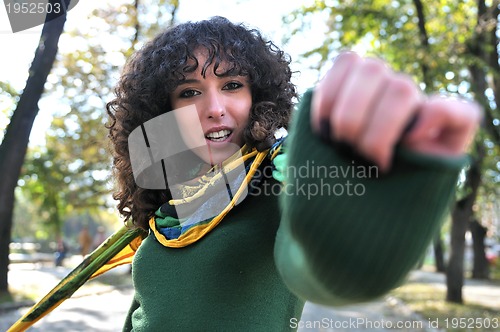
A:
(62, 183)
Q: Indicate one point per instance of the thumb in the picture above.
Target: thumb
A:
(445, 126)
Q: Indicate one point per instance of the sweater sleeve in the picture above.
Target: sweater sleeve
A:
(349, 234)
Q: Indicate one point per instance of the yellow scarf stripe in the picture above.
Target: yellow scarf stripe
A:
(125, 256)
(276, 151)
(197, 232)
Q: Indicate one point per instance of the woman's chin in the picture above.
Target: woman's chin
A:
(217, 155)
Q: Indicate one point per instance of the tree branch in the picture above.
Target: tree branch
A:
(137, 25)
(424, 40)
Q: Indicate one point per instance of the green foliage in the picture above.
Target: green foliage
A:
(8, 98)
(71, 173)
(440, 44)
(8, 89)
(389, 29)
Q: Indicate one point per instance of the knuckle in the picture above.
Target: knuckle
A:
(347, 127)
(350, 123)
(343, 61)
(347, 56)
(403, 86)
(372, 148)
(373, 66)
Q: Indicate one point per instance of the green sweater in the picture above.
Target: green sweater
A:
(337, 233)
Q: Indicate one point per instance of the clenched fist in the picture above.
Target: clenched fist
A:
(365, 104)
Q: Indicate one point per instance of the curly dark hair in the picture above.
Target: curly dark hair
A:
(151, 74)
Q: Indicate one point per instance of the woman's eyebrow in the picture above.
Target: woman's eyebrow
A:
(221, 76)
(188, 81)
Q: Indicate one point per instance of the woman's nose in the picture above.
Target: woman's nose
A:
(215, 106)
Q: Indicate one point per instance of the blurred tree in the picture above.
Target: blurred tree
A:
(485, 82)
(71, 173)
(449, 46)
(15, 141)
(437, 246)
(480, 268)
(58, 182)
(23, 208)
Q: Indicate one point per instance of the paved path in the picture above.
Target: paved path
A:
(94, 307)
(387, 314)
(99, 313)
(102, 308)
(390, 312)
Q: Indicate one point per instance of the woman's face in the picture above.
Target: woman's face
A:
(222, 105)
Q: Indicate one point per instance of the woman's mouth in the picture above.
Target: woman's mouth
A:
(218, 136)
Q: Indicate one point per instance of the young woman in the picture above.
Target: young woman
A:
(353, 200)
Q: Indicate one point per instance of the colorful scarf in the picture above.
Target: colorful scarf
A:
(174, 232)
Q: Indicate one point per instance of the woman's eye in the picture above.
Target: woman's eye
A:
(188, 93)
(232, 86)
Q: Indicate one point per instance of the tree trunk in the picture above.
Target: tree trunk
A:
(439, 254)
(480, 269)
(424, 44)
(463, 213)
(15, 142)
(455, 270)
(461, 216)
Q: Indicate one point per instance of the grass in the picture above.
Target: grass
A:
(6, 298)
(495, 271)
(428, 301)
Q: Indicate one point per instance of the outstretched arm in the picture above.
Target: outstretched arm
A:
(350, 232)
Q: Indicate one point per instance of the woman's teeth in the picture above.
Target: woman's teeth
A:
(218, 136)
